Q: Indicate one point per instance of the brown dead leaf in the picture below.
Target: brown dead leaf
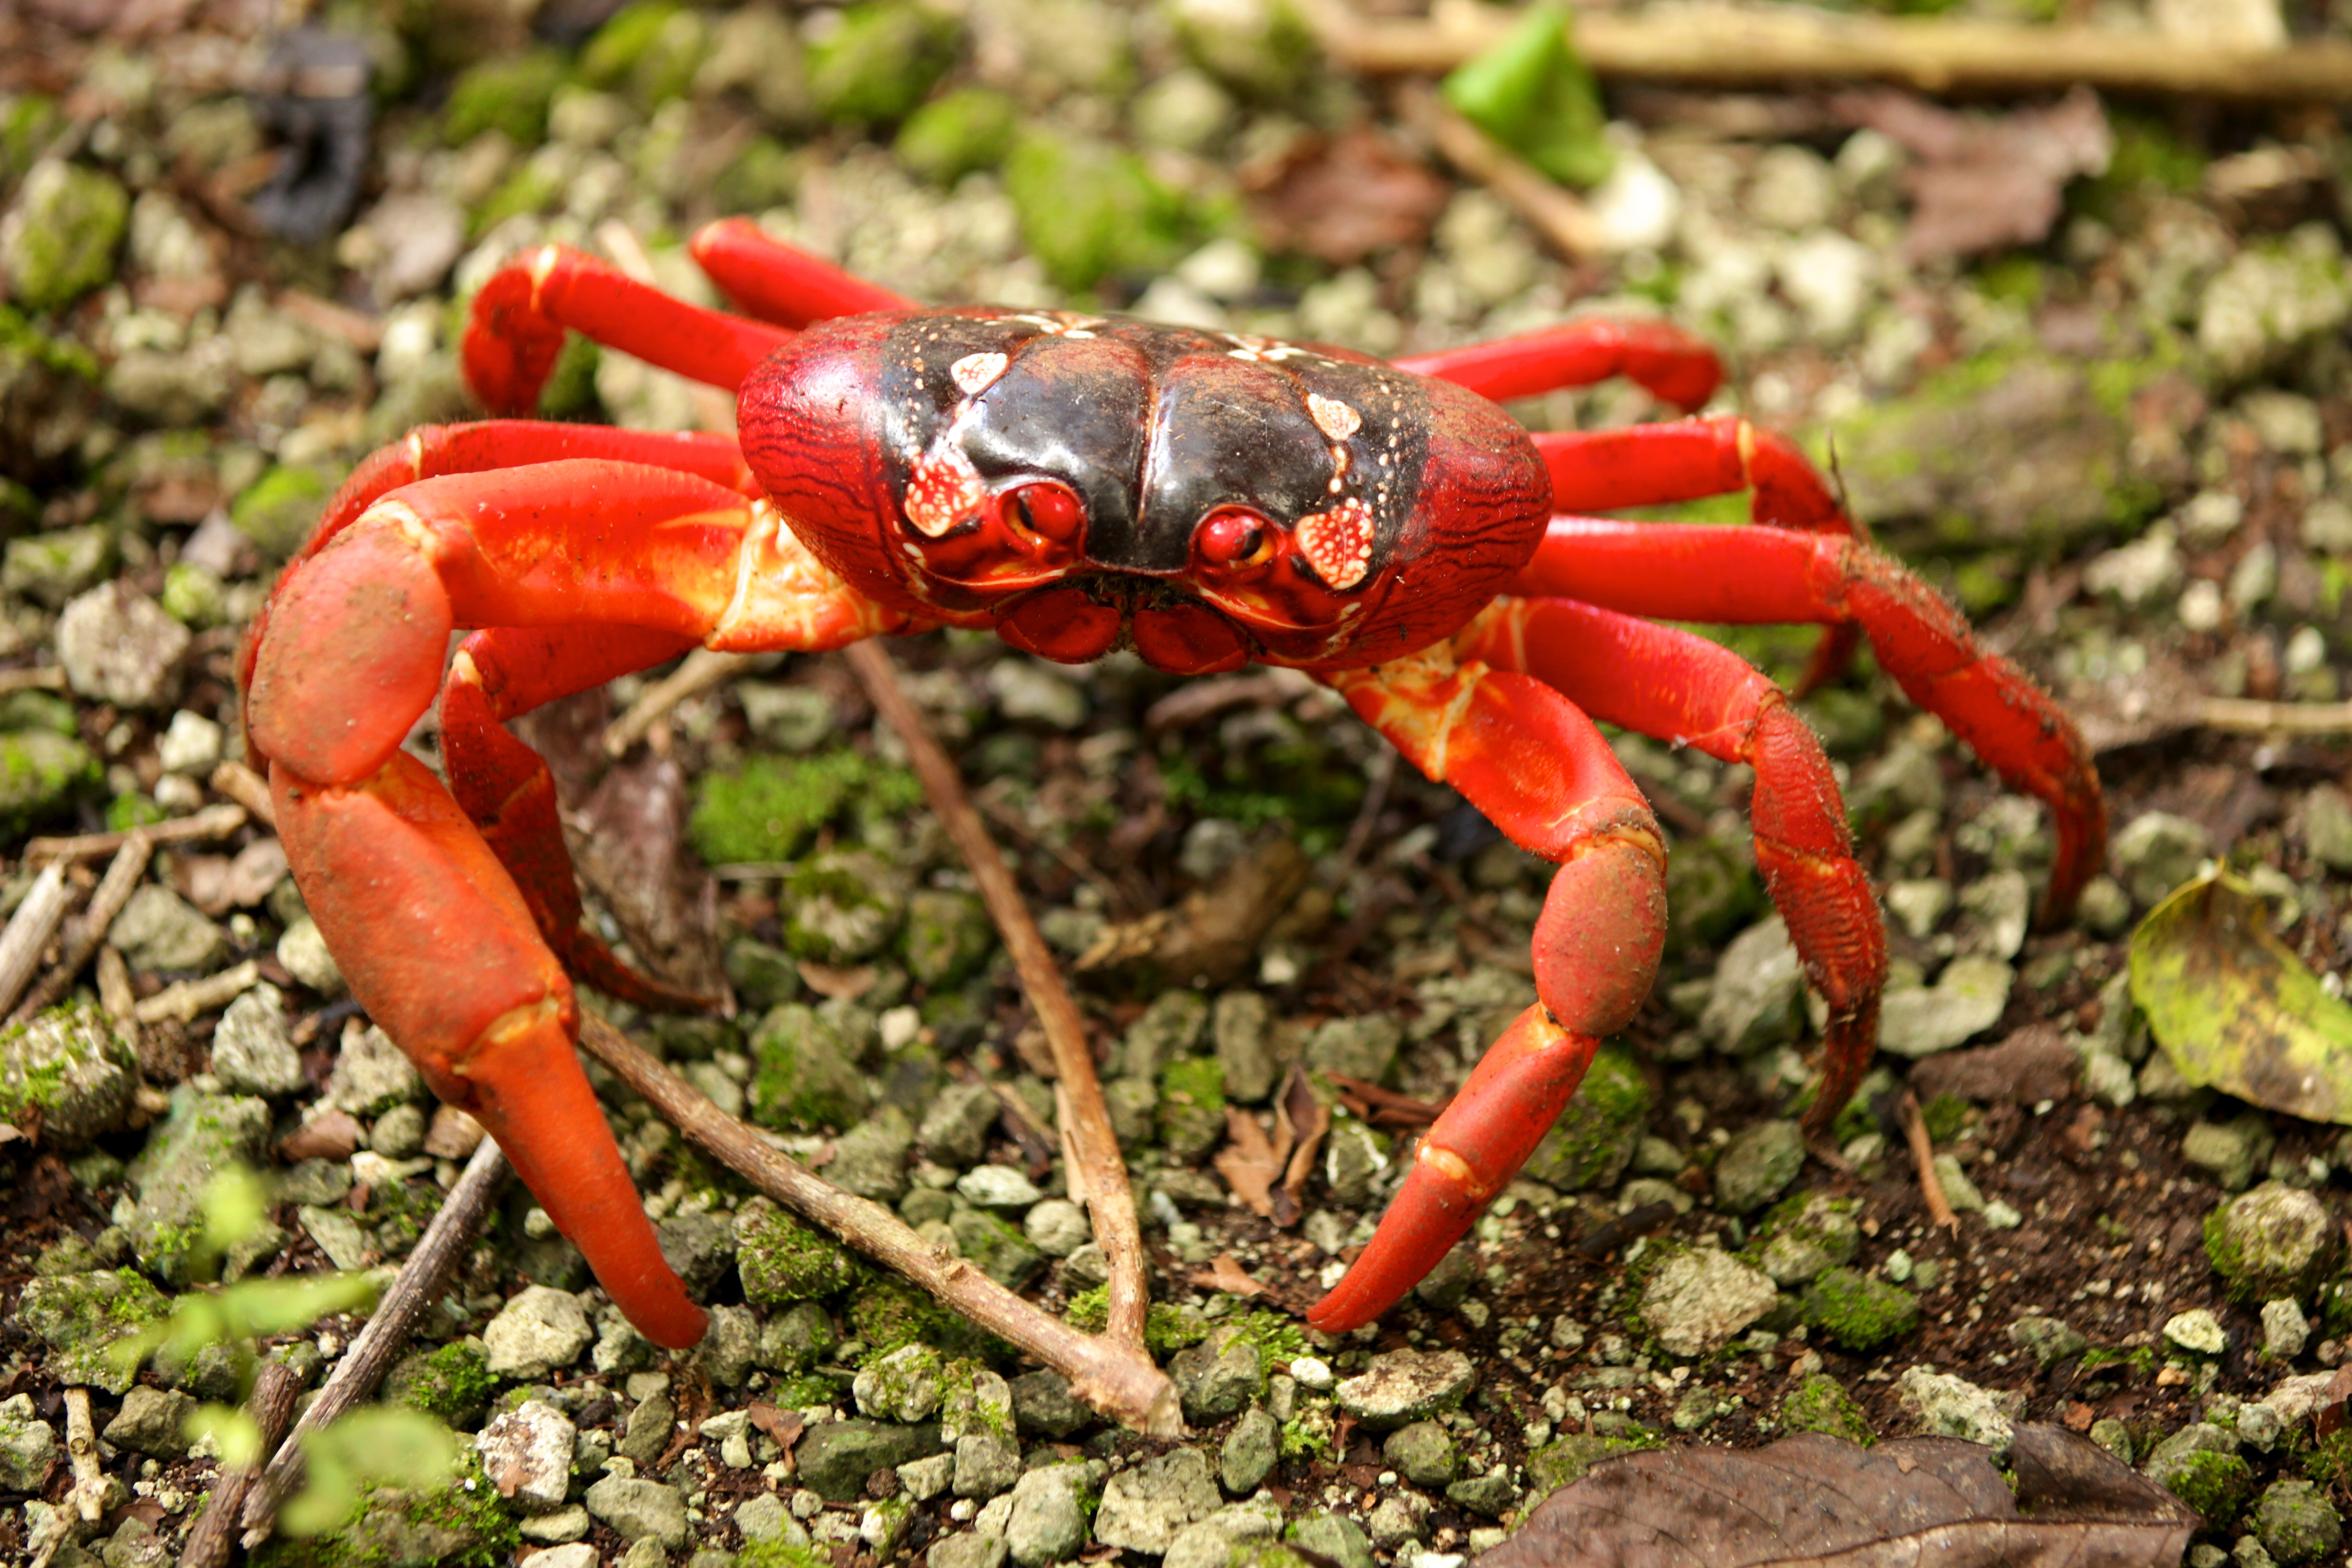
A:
(1812, 1499)
(2033, 1065)
(453, 1136)
(1980, 182)
(1311, 1119)
(1225, 1273)
(219, 883)
(329, 1135)
(784, 1425)
(1215, 933)
(1341, 198)
(836, 984)
(632, 849)
(1249, 1163)
(1382, 1106)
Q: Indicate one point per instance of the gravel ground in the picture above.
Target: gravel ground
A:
(2126, 449)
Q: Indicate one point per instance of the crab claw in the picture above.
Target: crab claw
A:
(1473, 1149)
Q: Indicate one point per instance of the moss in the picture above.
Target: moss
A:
(881, 61)
(770, 808)
(2215, 1485)
(1593, 1139)
(782, 1260)
(529, 189)
(1276, 1336)
(1822, 1404)
(1311, 1433)
(1859, 1312)
(278, 510)
(804, 1074)
(460, 1525)
(1944, 1115)
(40, 775)
(1166, 1328)
(776, 1552)
(509, 95)
(63, 355)
(452, 1384)
(1090, 210)
(1564, 1462)
(648, 50)
(951, 136)
(886, 1314)
(1191, 1112)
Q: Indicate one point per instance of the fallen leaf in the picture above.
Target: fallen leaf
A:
(1341, 198)
(1813, 1498)
(219, 883)
(2235, 1009)
(835, 984)
(329, 1135)
(1249, 1163)
(1311, 1119)
(1532, 93)
(1215, 933)
(1981, 181)
(2033, 1065)
(1225, 1273)
(784, 1425)
(632, 851)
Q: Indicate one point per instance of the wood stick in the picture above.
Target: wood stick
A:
(1113, 1375)
(2246, 715)
(88, 1497)
(212, 822)
(29, 929)
(47, 678)
(1549, 207)
(83, 938)
(417, 1286)
(697, 673)
(248, 789)
(1923, 1156)
(1724, 45)
(1104, 1173)
(190, 997)
(214, 1531)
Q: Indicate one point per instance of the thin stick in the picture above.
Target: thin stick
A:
(417, 1286)
(48, 677)
(212, 822)
(1546, 206)
(2244, 714)
(1923, 1156)
(29, 931)
(214, 1531)
(1733, 46)
(697, 673)
(190, 997)
(1105, 1175)
(114, 890)
(1112, 1376)
(248, 789)
(88, 1494)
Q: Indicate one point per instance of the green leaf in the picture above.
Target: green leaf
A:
(235, 1436)
(1532, 93)
(2235, 1009)
(373, 1446)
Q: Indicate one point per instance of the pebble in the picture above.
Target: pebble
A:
(74, 1064)
(118, 646)
(160, 930)
(1027, 690)
(252, 1051)
(1144, 1509)
(2233, 1150)
(152, 1421)
(2284, 1329)
(1757, 983)
(1758, 1165)
(1047, 1522)
(535, 1333)
(1401, 1386)
(2157, 851)
(1057, 1228)
(641, 1510)
(1966, 999)
(1948, 1407)
(1699, 1298)
(529, 1450)
(303, 951)
(997, 1186)
(2198, 1331)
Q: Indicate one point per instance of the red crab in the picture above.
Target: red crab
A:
(1080, 483)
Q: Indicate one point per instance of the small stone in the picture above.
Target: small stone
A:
(80, 1317)
(835, 1458)
(2284, 1329)
(1250, 1451)
(2296, 1523)
(641, 1510)
(901, 1386)
(1028, 688)
(1334, 1536)
(1758, 1165)
(974, 1549)
(527, 1453)
(1312, 1373)
(1948, 1407)
(28, 1445)
(764, 1518)
(1049, 1519)
(1143, 1508)
(2274, 1241)
(997, 1249)
(303, 951)
(2198, 1331)
(2260, 1426)
(1355, 1158)
(1242, 1027)
(2156, 852)
(1966, 999)
(154, 1421)
(1364, 1047)
(1700, 1297)
(2233, 1150)
(997, 1186)
(1821, 1235)
(203, 1135)
(372, 1075)
(58, 241)
(927, 1478)
(1217, 1377)
(955, 1127)
(1422, 1453)
(986, 1463)
(2050, 1340)
(1757, 983)
(1057, 1228)
(1043, 1406)
(2113, 1437)
(190, 744)
(870, 1159)
(1492, 1495)
(41, 774)
(729, 1347)
(537, 1333)
(160, 930)
(72, 1070)
(339, 1234)
(118, 646)
(252, 1051)
(1404, 1386)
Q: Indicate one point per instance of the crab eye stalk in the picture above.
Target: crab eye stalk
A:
(1235, 538)
(1051, 511)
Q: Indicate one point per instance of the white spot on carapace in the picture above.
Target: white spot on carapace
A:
(975, 373)
(943, 490)
(1338, 543)
(1333, 417)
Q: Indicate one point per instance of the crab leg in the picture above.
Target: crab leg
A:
(1677, 686)
(399, 880)
(1657, 465)
(1524, 755)
(519, 318)
(779, 283)
(1674, 365)
(1752, 575)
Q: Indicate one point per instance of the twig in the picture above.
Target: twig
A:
(114, 993)
(212, 822)
(1548, 207)
(1368, 816)
(1725, 45)
(248, 789)
(114, 890)
(1923, 1156)
(47, 678)
(214, 1531)
(2244, 714)
(1104, 1170)
(190, 997)
(697, 673)
(29, 929)
(417, 1286)
(1198, 700)
(1114, 1376)
(88, 1497)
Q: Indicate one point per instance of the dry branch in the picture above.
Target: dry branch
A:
(697, 673)
(419, 1283)
(214, 1531)
(2246, 715)
(29, 929)
(212, 822)
(1736, 46)
(1101, 1169)
(1115, 1377)
(114, 890)
(1923, 1156)
(248, 789)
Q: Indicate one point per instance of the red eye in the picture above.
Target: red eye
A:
(1051, 510)
(1233, 537)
